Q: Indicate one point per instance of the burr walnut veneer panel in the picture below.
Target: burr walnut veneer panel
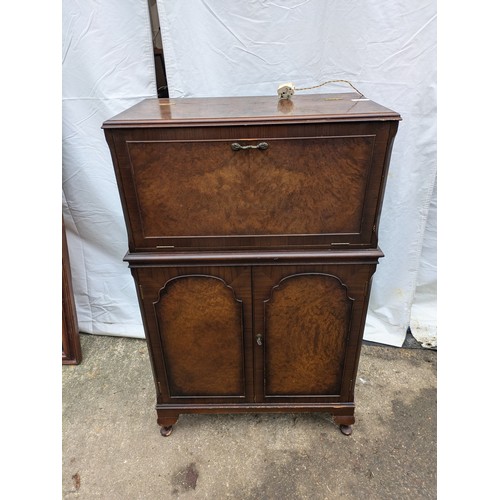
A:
(194, 315)
(251, 192)
(307, 321)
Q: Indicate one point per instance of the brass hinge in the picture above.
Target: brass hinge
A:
(141, 292)
(159, 386)
(374, 228)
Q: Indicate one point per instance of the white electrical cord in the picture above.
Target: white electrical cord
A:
(286, 90)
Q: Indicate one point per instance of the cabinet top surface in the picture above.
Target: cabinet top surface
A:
(233, 110)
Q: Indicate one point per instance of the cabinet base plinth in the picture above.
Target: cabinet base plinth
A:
(343, 414)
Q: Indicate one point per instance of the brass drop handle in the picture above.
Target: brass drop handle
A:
(259, 339)
(236, 147)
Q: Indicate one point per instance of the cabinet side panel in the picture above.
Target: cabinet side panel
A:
(71, 348)
(201, 328)
(307, 322)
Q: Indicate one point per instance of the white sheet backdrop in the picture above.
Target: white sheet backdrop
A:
(107, 66)
(225, 48)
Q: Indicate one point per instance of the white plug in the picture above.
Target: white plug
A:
(286, 90)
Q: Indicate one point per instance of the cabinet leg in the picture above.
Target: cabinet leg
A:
(166, 430)
(346, 430)
(345, 423)
(167, 425)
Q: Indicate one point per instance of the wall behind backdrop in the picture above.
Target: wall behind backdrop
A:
(216, 48)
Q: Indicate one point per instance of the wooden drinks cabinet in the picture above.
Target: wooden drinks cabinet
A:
(252, 228)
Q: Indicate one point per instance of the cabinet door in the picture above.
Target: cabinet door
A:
(313, 186)
(199, 325)
(310, 321)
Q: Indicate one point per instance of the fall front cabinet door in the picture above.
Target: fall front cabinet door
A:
(252, 334)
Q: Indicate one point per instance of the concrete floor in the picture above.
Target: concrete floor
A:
(112, 447)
